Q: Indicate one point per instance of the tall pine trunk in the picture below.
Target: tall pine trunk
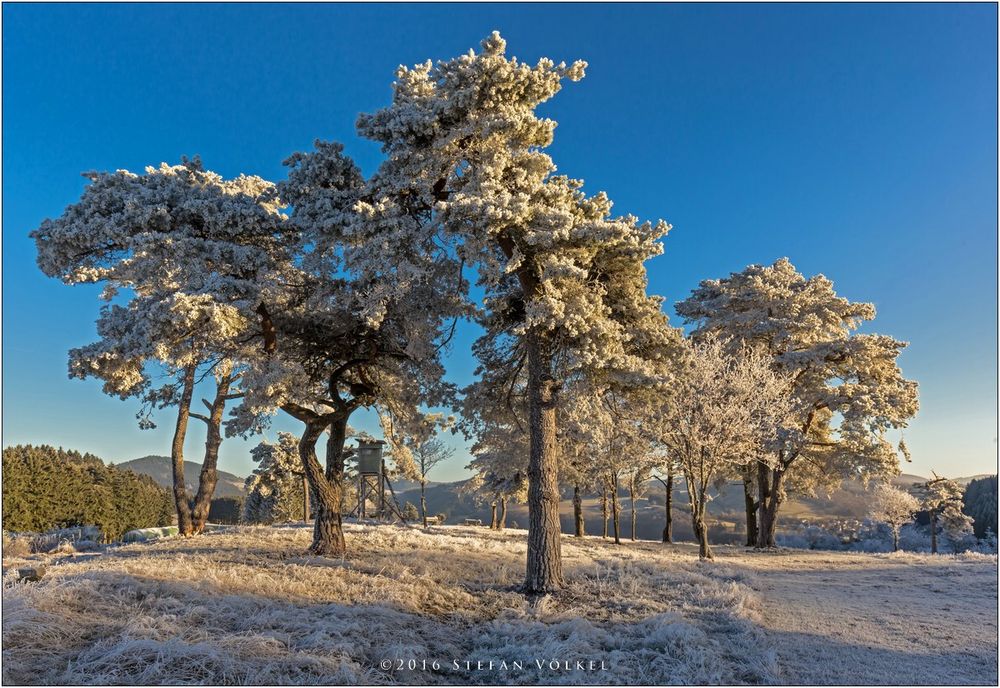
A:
(209, 474)
(751, 508)
(668, 527)
(616, 510)
(579, 526)
(544, 561)
(305, 499)
(631, 500)
(604, 510)
(185, 525)
(423, 502)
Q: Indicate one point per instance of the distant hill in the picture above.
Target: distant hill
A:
(159, 469)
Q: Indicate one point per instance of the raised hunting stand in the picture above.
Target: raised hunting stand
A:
(372, 484)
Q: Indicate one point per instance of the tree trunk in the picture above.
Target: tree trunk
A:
(209, 475)
(751, 508)
(423, 502)
(544, 561)
(631, 499)
(704, 550)
(934, 531)
(493, 515)
(769, 484)
(616, 510)
(668, 528)
(604, 510)
(580, 527)
(182, 502)
(895, 538)
(305, 499)
(502, 521)
(328, 534)
(693, 506)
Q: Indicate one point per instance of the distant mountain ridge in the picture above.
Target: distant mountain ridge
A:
(159, 469)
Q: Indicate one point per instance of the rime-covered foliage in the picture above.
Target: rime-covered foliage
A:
(721, 407)
(464, 146)
(275, 489)
(941, 498)
(848, 389)
(157, 235)
(159, 239)
(330, 346)
(45, 488)
(422, 456)
(893, 507)
(465, 173)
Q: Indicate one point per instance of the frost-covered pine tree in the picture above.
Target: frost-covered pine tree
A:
(849, 392)
(276, 491)
(893, 507)
(462, 141)
(942, 500)
(338, 334)
(177, 319)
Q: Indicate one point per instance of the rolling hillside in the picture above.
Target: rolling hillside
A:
(158, 468)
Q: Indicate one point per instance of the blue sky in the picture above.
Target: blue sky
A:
(858, 140)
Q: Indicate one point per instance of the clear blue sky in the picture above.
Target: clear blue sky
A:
(858, 140)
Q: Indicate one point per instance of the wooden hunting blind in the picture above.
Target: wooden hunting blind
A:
(372, 483)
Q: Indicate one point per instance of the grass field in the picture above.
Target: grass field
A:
(408, 606)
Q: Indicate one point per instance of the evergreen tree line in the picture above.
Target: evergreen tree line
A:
(980, 503)
(46, 488)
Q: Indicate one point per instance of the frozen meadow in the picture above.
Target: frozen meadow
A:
(245, 606)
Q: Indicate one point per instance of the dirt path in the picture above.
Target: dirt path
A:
(850, 619)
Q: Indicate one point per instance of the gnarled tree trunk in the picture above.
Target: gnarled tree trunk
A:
(579, 525)
(544, 565)
(493, 515)
(502, 520)
(209, 474)
(328, 533)
(185, 524)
